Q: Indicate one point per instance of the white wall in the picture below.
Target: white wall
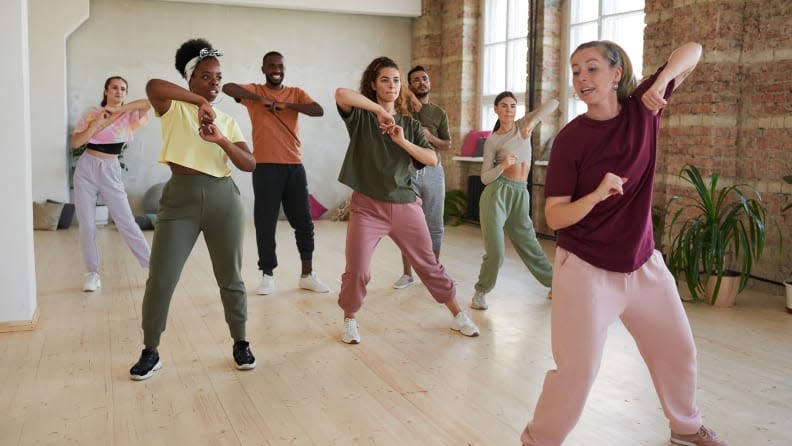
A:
(323, 51)
(18, 275)
(50, 25)
(402, 8)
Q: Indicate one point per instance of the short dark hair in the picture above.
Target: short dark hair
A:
(414, 69)
(188, 50)
(271, 53)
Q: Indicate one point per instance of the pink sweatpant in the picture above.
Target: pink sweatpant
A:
(586, 300)
(369, 221)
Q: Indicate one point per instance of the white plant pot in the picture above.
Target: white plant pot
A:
(102, 215)
(788, 287)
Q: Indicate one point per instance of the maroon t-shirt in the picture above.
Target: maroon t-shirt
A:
(617, 234)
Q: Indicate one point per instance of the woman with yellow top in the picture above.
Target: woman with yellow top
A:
(200, 197)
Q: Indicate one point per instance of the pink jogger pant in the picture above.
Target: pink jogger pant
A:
(369, 221)
(586, 300)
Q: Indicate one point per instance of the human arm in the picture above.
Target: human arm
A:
(312, 109)
(415, 103)
(490, 171)
(527, 123)
(94, 125)
(423, 155)
(141, 105)
(440, 144)
(562, 212)
(681, 63)
(238, 152)
(161, 93)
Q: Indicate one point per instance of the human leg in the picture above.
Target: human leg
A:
(85, 193)
(656, 319)
(111, 187)
(268, 185)
(585, 302)
(492, 217)
(520, 230)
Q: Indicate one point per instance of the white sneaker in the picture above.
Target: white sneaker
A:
(267, 285)
(312, 282)
(403, 282)
(479, 301)
(92, 282)
(350, 334)
(464, 325)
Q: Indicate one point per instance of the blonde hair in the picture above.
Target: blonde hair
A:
(615, 56)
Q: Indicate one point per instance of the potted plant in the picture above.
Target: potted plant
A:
(788, 281)
(722, 234)
(454, 207)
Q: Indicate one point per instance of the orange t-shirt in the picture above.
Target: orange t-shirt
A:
(275, 137)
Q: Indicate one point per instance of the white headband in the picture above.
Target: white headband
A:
(192, 63)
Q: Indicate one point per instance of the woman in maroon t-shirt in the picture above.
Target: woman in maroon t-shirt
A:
(599, 191)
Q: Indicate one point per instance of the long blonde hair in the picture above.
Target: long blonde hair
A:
(615, 56)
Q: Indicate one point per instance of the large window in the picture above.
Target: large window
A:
(621, 21)
(505, 51)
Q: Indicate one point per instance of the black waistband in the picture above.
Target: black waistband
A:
(110, 149)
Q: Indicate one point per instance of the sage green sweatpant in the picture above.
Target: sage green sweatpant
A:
(504, 207)
(192, 204)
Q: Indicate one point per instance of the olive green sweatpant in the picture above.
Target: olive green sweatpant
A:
(505, 206)
(192, 204)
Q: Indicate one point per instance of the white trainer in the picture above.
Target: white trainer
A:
(312, 282)
(403, 282)
(479, 301)
(350, 334)
(92, 282)
(266, 286)
(464, 325)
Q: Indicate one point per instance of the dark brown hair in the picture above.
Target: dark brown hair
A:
(107, 84)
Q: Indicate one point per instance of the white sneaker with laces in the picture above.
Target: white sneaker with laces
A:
(464, 325)
(479, 301)
(92, 282)
(266, 286)
(312, 282)
(403, 282)
(350, 334)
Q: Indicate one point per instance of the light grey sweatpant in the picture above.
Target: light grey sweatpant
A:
(95, 176)
(429, 183)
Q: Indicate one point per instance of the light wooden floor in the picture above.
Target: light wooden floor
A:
(412, 381)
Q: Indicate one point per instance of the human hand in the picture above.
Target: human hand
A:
(508, 161)
(112, 109)
(653, 97)
(395, 132)
(385, 119)
(610, 185)
(210, 133)
(415, 104)
(206, 114)
(276, 107)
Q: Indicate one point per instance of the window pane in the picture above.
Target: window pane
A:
(583, 11)
(494, 69)
(517, 65)
(575, 107)
(622, 30)
(616, 6)
(582, 34)
(495, 22)
(518, 18)
(488, 116)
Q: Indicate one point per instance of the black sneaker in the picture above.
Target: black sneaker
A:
(243, 356)
(148, 363)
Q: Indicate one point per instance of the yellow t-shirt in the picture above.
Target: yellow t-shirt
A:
(182, 145)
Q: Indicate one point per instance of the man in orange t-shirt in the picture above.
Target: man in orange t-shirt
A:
(279, 177)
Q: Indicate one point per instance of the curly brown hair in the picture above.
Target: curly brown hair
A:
(370, 75)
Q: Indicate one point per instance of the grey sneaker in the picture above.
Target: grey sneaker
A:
(267, 285)
(403, 282)
(312, 282)
(350, 334)
(479, 301)
(464, 325)
(704, 437)
(92, 282)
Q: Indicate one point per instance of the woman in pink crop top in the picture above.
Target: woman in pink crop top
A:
(104, 131)
(599, 192)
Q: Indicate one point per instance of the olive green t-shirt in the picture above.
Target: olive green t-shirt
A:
(376, 166)
(434, 119)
